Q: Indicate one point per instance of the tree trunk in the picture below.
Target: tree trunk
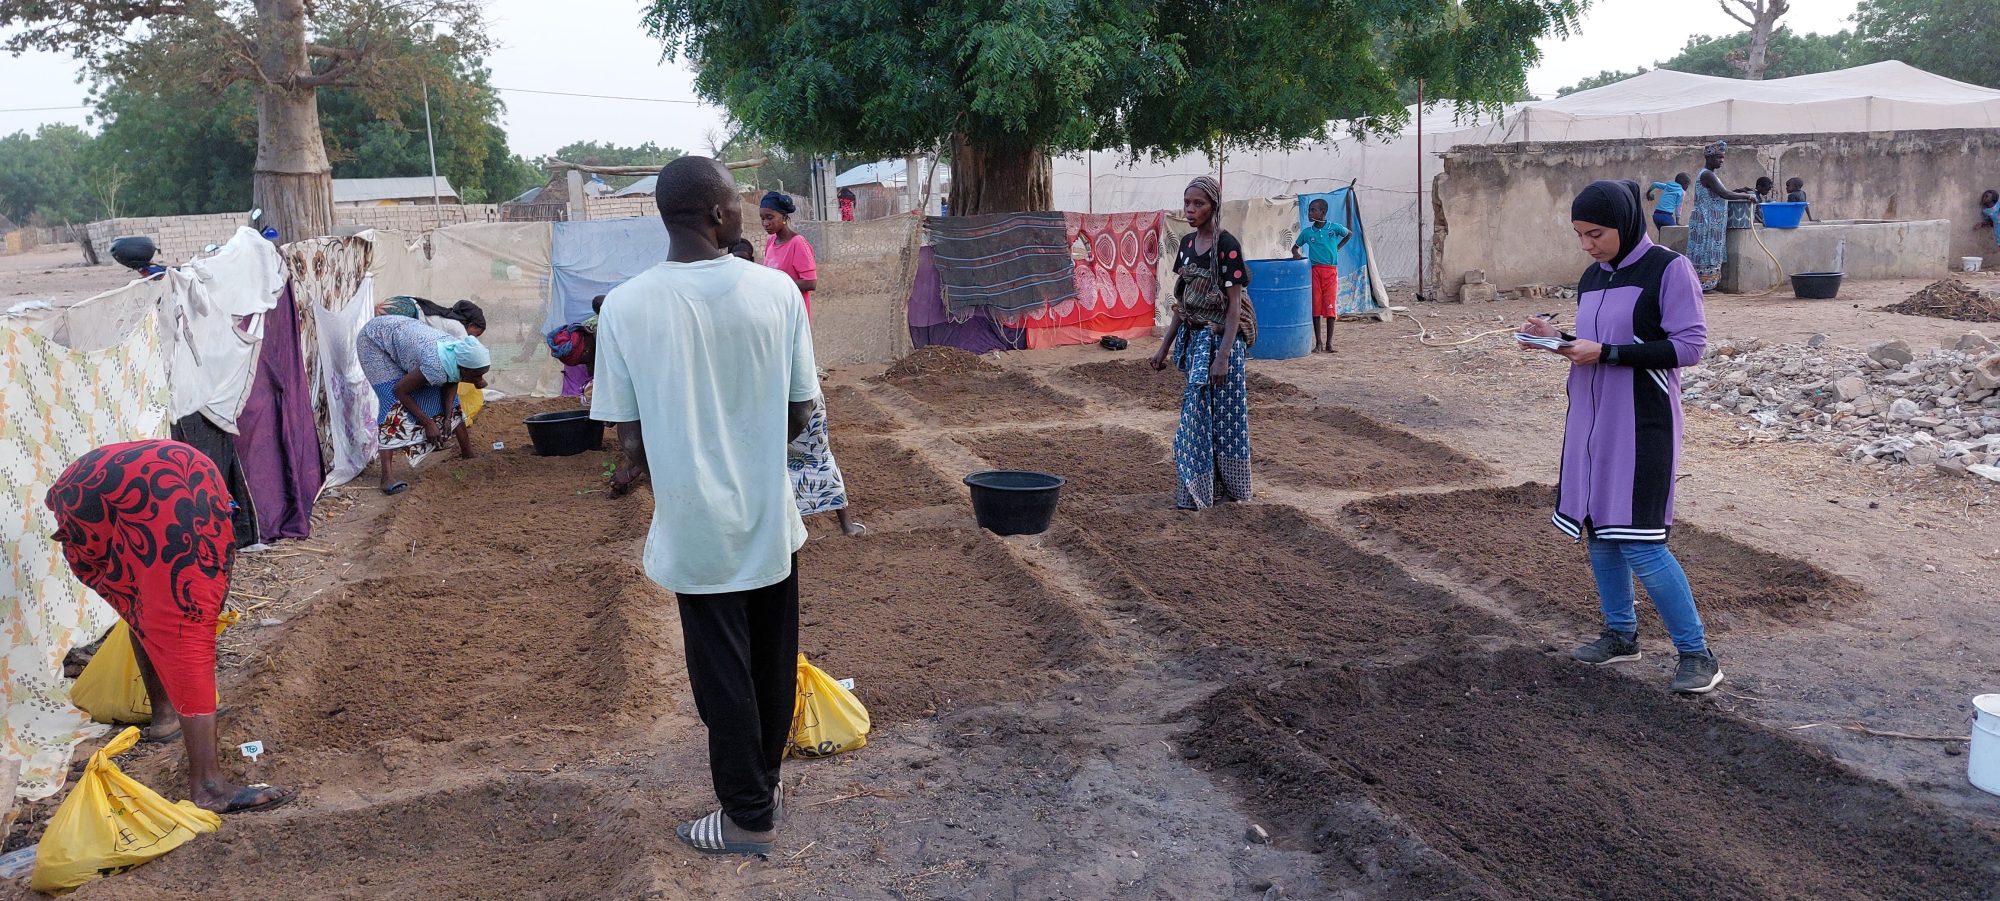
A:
(1004, 180)
(1757, 57)
(293, 183)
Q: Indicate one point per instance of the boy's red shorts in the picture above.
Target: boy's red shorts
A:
(1326, 290)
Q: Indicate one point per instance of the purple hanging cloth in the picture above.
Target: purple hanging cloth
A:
(930, 324)
(276, 439)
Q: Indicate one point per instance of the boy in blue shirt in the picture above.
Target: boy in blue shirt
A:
(1667, 212)
(1322, 241)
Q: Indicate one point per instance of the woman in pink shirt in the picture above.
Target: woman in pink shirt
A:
(786, 250)
(816, 479)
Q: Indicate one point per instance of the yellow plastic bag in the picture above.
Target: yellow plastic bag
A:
(470, 401)
(827, 719)
(110, 688)
(110, 823)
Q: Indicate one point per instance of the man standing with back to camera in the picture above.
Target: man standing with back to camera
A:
(705, 362)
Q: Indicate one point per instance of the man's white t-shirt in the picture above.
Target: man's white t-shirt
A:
(708, 357)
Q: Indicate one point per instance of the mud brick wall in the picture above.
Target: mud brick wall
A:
(1504, 208)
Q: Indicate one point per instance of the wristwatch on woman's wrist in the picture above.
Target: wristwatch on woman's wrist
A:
(1611, 354)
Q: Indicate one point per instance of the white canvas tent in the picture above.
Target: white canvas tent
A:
(1661, 103)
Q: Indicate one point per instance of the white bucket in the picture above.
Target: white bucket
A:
(1969, 264)
(1982, 764)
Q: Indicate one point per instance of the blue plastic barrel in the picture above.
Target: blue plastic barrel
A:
(1281, 291)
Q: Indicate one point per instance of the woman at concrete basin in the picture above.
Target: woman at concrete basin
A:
(1708, 224)
(1639, 319)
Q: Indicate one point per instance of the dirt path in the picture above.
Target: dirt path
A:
(1365, 661)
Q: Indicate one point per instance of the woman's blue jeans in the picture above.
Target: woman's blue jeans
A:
(1614, 563)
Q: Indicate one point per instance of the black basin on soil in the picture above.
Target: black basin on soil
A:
(564, 433)
(1014, 501)
(1815, 285)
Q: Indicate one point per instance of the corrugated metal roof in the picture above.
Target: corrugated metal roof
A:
(362, 190)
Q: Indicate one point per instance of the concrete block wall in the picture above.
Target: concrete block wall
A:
(416, 217)
(179, 237)
(595, 208)
(1504, 208)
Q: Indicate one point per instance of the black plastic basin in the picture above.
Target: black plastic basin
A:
(1014, 501)
(1815, 285)
(564, 433)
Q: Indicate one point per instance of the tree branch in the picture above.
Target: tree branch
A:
(325, 52)
(1747, 5)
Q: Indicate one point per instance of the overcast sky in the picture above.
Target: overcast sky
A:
(597, 47)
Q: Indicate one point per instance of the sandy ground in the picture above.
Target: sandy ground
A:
(57, 274)
(482, 696)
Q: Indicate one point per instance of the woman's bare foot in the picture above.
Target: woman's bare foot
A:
(166, 726)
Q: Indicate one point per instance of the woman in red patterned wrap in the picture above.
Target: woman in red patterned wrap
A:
(146, 525)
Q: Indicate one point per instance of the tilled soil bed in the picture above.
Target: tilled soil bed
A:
(1162, 390)
(1258, 578)
(849, 410)
(1339, 448)
(1097, 461)
(1519, 776)
(926, 620)
(1503, 537)
(883, 476)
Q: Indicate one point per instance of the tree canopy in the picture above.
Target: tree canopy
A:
(1016, 79)
(284, 51)
(180, 150)
(1953, 38)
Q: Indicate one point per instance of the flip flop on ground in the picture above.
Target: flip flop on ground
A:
(705, 835)
(246, 798)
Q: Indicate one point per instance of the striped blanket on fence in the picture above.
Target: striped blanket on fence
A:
(1002, 261)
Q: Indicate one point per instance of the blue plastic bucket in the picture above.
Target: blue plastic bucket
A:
(1282, 293)
(1782, 215)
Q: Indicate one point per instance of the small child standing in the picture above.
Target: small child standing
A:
(1989, 213)
(1322, 241)
(1666, 213)
(1795, 192)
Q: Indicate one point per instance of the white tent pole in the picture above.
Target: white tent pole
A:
(1420, 187)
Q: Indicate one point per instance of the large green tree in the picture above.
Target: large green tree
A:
(1005, 83)
(285, 51)
(1954, 38)
(190, 149)
(41, 176)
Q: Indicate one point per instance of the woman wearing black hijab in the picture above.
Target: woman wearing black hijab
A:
(1639, 319)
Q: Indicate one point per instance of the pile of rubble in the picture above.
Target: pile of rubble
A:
(1888, 405)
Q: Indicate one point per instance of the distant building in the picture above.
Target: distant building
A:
(391, 191)
(882, 189)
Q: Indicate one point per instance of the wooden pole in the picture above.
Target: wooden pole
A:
(1420, 187)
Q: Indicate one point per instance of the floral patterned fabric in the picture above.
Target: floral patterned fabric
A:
(55, 405)
(327, 274)
(816, 481)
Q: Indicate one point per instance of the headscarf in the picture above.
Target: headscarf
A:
(572, 343)
(463, 353)
(464, 311)
(1613, 204)
(1209, 188)
(777, 200)
(1717, 148)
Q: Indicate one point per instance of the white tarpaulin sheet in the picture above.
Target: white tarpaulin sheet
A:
(1389, 171)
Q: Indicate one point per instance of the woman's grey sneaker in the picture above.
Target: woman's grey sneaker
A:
(1610, 647)
(1697, 674)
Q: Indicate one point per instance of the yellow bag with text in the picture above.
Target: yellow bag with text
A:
(827, 719)
(110, 823)
(110, 688)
